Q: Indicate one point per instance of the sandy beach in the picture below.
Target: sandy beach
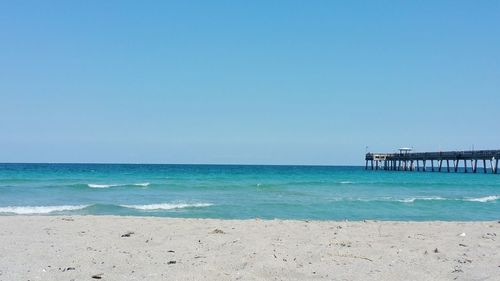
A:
(146, 248)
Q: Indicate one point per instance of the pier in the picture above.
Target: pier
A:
(405, 160)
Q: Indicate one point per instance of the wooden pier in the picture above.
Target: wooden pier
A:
(404, 160)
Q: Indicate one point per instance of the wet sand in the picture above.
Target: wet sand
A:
(146, 248)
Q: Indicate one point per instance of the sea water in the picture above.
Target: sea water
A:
(242, 192)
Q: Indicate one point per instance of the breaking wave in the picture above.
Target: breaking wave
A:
(413, 199)
(479, 199)
(484, 199)
(32, 210)
(93, 185)
(26, 210)
(167, 206)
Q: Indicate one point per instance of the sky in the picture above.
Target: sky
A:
(246, 82)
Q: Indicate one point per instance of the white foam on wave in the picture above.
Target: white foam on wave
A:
(167, 206)
(407, 200)
(480, 199)
(93, 185)
(413, 199)
(346, 182)
(391, 199)
(483, 199)
(26, 210)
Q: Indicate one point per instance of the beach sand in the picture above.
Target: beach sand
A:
(147, 248)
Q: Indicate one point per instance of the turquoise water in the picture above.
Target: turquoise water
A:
(240, 192)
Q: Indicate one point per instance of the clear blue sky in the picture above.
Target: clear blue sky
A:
(262, 82)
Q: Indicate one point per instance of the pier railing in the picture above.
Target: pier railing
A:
(410, 161)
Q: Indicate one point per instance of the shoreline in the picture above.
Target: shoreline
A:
(117, 216)
(158, 248)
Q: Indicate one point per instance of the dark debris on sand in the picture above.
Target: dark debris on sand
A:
(128, 234)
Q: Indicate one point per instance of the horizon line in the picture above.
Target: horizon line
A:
(185, 164)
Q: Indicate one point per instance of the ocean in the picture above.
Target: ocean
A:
(247, 191)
